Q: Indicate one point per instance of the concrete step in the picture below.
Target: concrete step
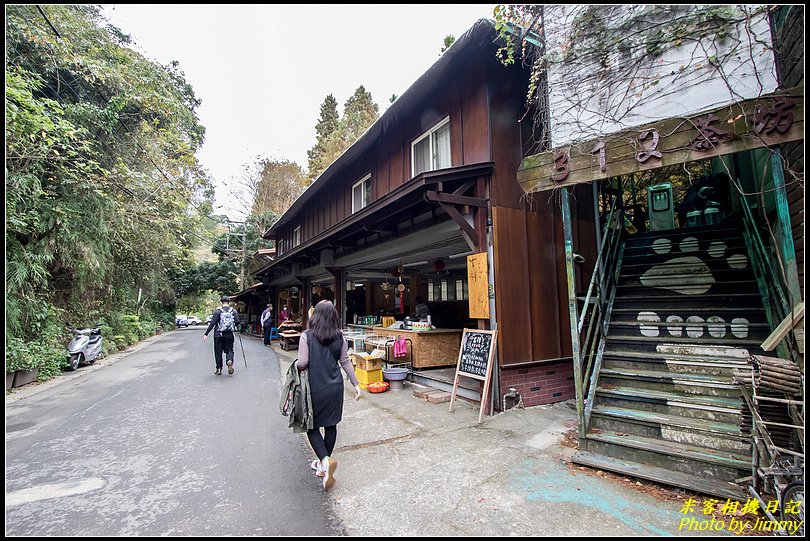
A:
(634, 273)
(467, 388)
(754, 316)
(699, 461)
(674, 367)
(661, 475)
(665, 300)
(665, 381)
(719, 328)
(722, 409)
(689, 287)
(650, 343)
(700, 432)
(729, 228)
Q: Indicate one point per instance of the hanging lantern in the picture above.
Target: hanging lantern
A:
(438, 265)
(395, 272)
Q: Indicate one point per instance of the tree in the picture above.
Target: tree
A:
(280, 182)
(327, 124)
(359, 112)
(102, 184)
(449, 40)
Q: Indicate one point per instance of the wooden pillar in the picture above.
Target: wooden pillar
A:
(786, 247)
(339, 281)
(572, 307)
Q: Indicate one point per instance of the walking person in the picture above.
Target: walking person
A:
(323, 351)
(267, 325)
(224, 325)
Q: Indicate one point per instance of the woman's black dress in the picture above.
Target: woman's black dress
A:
(325, 380)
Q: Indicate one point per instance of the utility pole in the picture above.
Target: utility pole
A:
(238, 252)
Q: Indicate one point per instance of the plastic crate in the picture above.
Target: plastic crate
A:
(368, 376)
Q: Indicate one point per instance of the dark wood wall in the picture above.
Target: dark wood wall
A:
(464, 100)
(788, 22)
(531, 288)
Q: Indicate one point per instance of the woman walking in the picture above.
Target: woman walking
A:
(320, 350)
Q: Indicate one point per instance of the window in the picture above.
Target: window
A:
(296, 238)
(361, 194)
(461, 290)
(431, 151)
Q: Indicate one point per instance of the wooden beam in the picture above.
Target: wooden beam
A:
(436, 197)
(572, 308)
(470, 234)
(784, 328)
(631, 151)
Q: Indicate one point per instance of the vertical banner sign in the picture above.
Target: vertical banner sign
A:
(478, 285)
(475, 361)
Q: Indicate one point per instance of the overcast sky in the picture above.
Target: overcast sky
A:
(262, 71)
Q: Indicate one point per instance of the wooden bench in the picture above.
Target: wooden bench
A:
(289, 340)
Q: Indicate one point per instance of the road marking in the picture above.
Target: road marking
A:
(56, 490)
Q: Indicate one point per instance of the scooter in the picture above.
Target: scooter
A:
(85, 346)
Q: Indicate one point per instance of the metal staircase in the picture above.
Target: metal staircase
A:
(684, 311)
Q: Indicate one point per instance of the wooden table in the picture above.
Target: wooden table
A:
(289, 340)
(438, 347)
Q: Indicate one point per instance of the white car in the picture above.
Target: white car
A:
(181, 320)
(193, 320)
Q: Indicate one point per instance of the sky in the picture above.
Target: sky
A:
(263, 71)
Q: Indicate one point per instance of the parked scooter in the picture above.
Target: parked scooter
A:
(85, 346)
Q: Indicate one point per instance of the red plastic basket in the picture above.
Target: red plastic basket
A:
(378, 387)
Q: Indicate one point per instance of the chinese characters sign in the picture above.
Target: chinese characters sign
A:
(767, 121)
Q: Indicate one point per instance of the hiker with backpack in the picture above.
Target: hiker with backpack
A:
(224, 325)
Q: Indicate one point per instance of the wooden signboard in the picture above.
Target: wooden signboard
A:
(766, 121)
(475, 361)
(478, 285)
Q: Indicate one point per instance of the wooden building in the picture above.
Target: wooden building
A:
(431, 183)
(684, 305)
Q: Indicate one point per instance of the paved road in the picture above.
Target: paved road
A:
(155, 444)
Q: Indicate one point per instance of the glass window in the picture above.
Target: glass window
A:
(296, 240)
(431, 151)
(361, 194)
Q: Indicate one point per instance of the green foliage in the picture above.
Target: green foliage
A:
(359, 113)
(220, 277)
(449, 40)
(327, 123)
(278, 185)
(101, 179)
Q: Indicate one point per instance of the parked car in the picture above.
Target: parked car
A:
(181, 320)
(208, 318)
(193, 320)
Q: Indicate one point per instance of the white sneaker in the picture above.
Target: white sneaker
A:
(316, 465)
(328, 465)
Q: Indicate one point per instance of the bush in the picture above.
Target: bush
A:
(46, 357)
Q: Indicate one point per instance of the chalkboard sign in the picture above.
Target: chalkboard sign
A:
(475, 361)
(476, 347)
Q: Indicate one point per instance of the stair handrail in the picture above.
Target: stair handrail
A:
(597, 314)
(597, 266)
(774, 291)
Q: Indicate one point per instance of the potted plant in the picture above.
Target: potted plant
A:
(21, 361)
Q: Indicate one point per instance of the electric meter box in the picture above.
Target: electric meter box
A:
(661, 207)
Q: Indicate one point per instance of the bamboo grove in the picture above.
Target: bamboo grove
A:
(103, 190)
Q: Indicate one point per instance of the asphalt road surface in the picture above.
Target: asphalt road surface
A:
(155, 444)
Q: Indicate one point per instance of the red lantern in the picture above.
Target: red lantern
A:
(395, 273)
(438, 265)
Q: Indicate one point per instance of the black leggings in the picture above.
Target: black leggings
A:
(323, 445)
